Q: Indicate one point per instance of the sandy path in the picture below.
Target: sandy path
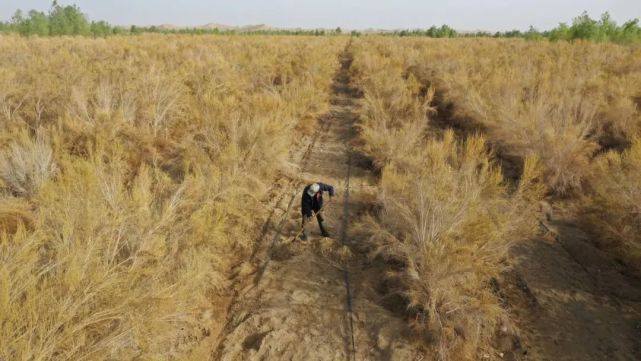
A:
(572, 301)
(291, 301)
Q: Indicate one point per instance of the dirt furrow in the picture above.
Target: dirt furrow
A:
(291, 301)
(257, 260)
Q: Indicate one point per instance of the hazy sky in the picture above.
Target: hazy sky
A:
(349, 14)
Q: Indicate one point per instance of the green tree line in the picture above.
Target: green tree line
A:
(605, 29)
(60, 20)
(583, 27)
(441, 32)
(70, 20)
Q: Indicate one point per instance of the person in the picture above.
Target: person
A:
(312, 203)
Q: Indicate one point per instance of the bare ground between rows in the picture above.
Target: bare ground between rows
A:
(291, 299)
(571, 300)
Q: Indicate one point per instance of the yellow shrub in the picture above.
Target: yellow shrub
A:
(559, 101)
(447, 214)
(613, 208)
(132, 168)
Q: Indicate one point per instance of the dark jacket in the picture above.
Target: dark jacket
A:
(309, 204)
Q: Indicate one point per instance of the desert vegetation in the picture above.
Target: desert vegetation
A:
(611, 208)
(564, 102)
(441, 118)
(575, 106)
(134, 171)
(131, 173)
(447, 214)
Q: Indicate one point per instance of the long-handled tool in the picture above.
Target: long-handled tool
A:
(314, 214)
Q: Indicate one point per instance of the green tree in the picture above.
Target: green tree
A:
(630, 32)
(38, 23)
(101, 28)
(35, 23)
(584, 27)
(68, 20)
(5, 27)
(447, 32)
(607, 28)
(17, 17)
(533, 34)
(562, 32)
(432, 31)
(16, 20)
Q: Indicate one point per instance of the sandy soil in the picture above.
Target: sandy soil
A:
(291, 299)
(571, 300)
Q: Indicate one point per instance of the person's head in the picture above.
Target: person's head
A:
(313, 189)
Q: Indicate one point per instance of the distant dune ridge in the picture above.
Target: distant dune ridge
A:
(265, 27)
(212, 26)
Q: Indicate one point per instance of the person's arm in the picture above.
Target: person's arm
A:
(327, 188)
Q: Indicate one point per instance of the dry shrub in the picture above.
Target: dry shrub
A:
(529, 111)
(613, 208)
(447, 215)
(393, 109)
(561, 101)
(162, 147)
(575, 106)
(389, 144)
(27, 164)
(307, 126)
(14, 214)
(113, 266)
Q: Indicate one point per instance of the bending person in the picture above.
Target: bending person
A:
(312, 203)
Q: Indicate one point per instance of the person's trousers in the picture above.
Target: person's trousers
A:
(320, 219)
